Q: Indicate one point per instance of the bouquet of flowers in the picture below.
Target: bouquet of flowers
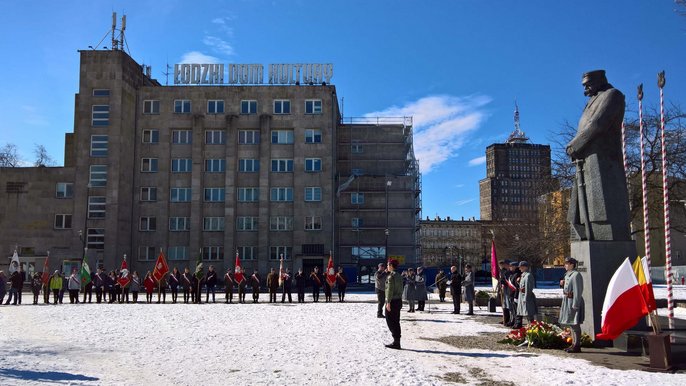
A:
(543, 335)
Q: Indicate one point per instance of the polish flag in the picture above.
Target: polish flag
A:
(495, 274)
(45, 278)
(330, 272)
(640, 267)
(237, 274)
(624, 305)
(124, 278)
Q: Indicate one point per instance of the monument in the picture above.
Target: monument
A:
(599, 204)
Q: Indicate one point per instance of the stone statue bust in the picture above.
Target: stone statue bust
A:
(599, 204)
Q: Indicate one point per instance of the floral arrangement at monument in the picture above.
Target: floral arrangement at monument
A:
(543, 335)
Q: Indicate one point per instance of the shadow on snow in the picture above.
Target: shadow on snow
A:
(45, 376)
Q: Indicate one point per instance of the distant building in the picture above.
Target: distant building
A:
(447, 242)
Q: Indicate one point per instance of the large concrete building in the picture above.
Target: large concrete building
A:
(262, 170)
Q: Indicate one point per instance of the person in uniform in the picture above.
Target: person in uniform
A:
(36, 284)
(409, 290)
(420, 289)
(504, 290)
(149, 284)
(228, 286)
(174, 281)
(88, 290)
(316, 284)
(327, 289)
(393, 302)
(242, 284)
(186, 284)
(455, 284)
(287, 285)
(526, 302)
(441, 283)
(210, 284)
(162, 291)
(300, 285)
(99, 284)
(341, 284)
(572, 309)
(111, 286)
(380, 287)
(255, 284)
(514, 275)
(272, 284)
(468, 284)
(135, 286)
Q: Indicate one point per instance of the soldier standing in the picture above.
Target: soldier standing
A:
(36, 284)
(441, 283)
(99, 285)
(572, 309)
(468, 283)
(255, 283)
(272, 285)
(526, 303)
(393, 301)
(287, 284)
(316, 284)
(380, 287)
(514, 277)
(341, 283)
(455, 288)
(210, 283)
(186, 284)
(300, 284)
(174, 281)
(88, 291)
(242, 284)
(228, 286)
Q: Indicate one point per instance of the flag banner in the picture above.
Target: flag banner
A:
(510, 285)
(624, 305)
(45, 277)
(281, 271)
(14, 264)
(330, 272)
(124, 277)
(495, 274)
(161, 267)
(198, 268)
(238, 274)
(648, 293)
(85, 272)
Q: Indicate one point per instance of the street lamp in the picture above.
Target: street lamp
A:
(387, 232)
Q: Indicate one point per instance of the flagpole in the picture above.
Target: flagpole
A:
(644, 183)
(665, 201)
(628, 175)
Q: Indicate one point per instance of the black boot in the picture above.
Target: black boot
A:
(395, 345)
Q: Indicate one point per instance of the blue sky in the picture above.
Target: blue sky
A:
(456, 66)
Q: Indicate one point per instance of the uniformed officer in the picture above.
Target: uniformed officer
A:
(572, 309)
(394, 301)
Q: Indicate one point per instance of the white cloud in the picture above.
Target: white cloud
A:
(218, 45)
(198, 57)
(467, 201)
(477, 161)
(33, 117)
(442, 124)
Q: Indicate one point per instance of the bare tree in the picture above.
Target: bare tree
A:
(42, 156)
(8, 156)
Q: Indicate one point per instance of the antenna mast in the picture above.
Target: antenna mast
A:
(517, 135)
(114, 30)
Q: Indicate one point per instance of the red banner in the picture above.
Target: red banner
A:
(161, 267)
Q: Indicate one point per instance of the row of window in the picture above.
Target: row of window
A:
(245, 165)
(218, 137)
(216, 224)
(214, 253)
(247, 106)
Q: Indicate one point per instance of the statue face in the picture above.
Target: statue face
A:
(591, 87)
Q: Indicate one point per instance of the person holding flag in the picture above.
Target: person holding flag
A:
(239, 279)
(300, 285)
(187, 285)
(86, 282)
(199, 274)
(341, 283)
(161, 269)
(572, 309)
(173, 282)
(272, 284)
(316, 284)
(255, 284)
(330, 280)
(287, 286)
(124, 281)
(45, 278)
(228, 286)
(74, 286)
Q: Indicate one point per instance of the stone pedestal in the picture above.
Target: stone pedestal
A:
(597, 262)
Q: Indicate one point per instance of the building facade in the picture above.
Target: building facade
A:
(214, 171)
(447, 242)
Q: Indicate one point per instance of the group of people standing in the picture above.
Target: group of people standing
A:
(517, 293)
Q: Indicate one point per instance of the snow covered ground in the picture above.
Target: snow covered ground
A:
(259, 344)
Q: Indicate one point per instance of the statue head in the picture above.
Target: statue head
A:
(594, 81)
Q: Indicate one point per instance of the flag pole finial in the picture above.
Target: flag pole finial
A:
(661, 79)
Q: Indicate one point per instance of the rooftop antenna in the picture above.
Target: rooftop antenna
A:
(114, 30)
(123, 28)
(517, 135)
(166, 73)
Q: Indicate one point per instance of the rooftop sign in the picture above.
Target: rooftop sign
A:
(252, 74)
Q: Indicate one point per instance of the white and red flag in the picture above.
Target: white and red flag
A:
(624, 305)
(238, 273)
(640, 267)
(495, 274)
(330, 272)
(161, 267)
(45, 277)
(124, 277)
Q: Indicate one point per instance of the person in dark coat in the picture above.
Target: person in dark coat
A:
(316, 284)
(420, 289)
(272, 285)
(442, 284)
(380, 287)
(515, 275)
(174, 281)
(228, 285)
(286, 282)
(3, 286)
(161, 290)
(468, 283)
(410, 286)
(455, 288)
(341, 284)
(300, 285)
(210, 284)
(393, 302)
(65, 285)
(255, 284)
(135, 286)
(111, 286)
(88, 290)
(149, 284)
(186, 284)
(99, 283)
(504, 290)
(36, 284)
(327, 289)
(242, 284)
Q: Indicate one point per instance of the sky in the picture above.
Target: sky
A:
(457, 67)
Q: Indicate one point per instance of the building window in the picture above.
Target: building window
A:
(357, 172)
(367, 252)
(181, 165)
(151, 136)
(179, 224)
(313, 249)
(282, 137)
(96, 206)
(313, 136)
(214, 194)
(213, 224)
(213, 253)
(149, 165)
(177, 253)
(313, 193)
(95, 238)
(248, 165)
(248, 194)
(249, 107)
(282, 106)
(215, 137)
(215, 165)
(248, 137)
(313, 164)
(356, 148)
(148, 193)
(100, 115)
(357, 222)
(180, 195)
(247, 253)
(182, 106)
(99, 145)
(276, 252)
(313, 223)
(357, 198)
(282, 165)
(182, 137)
(98, 176)
(148, 224)
(147, 253)
(281, 223)
(281, 194)
(151, 107)
(101, 92)
(313, 106)
(247, 224)
(64, 190)
(215, 106)
(63, 221)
